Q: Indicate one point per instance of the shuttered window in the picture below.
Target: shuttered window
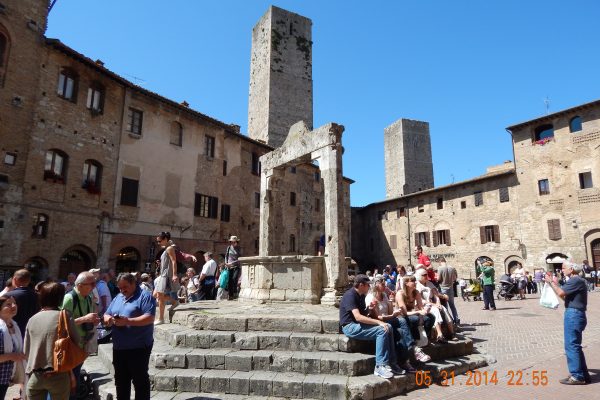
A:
(554, 229)
(503, 193)
(489, 233)
(393, 242)
(129, 192)
(441, 237)
(206, 206)
(422, 239)
(478, 197)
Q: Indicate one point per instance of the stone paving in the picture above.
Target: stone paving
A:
(523, 337)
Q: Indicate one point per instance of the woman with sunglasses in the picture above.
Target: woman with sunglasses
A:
(410, 304)
(167, 274)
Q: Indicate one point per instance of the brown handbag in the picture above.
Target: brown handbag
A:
(67, 353)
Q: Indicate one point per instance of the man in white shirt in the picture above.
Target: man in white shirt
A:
(207, 278)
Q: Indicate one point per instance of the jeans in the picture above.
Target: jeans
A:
(3, 390)
(132, 365)
(413, 324)
(575, 322)
(590, 283)
(402, 338)
(384, 341)
(76, 373)
(450, 304)
(488, 296)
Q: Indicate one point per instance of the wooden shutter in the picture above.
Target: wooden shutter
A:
(435, 239)
(417, 239)
(427, 239)
(496, 234)
(504, 197)
(482, 234)
(554, 229)
(448, 242)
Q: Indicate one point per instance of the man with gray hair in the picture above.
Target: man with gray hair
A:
(574, 293)
(80, 305)
(207, 278)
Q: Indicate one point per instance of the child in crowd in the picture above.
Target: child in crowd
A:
(222, 293)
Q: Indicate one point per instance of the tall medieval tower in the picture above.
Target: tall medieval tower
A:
(408, 161)
(280, 76)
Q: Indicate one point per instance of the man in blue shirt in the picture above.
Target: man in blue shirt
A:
(357, 325)
(574, 293)
(131, 314)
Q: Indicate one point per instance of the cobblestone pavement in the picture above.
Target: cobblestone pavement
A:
(523, 337)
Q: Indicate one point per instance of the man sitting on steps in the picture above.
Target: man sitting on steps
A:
(356, 325)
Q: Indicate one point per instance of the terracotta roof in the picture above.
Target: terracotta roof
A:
(549, 117)
(58, 45)
(484, 177)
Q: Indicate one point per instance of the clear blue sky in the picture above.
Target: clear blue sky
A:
(469, 68)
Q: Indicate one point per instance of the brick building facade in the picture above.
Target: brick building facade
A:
(538, 210)
(95, 166)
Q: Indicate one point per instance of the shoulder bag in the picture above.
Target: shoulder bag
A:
(67, 354)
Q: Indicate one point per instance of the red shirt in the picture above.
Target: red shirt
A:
(423, 259)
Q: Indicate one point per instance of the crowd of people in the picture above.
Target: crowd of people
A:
(404, 309)
(101, 306)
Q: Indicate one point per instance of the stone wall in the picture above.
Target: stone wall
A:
(280, 76)
(408, 159)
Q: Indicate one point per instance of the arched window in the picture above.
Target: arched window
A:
(55, 168)
(95, 98)
(4, 47)
(67, 84)
(176, 133)
(575, 124)
(292, 243)
(40, 226)
(91, 179)
(544, 132)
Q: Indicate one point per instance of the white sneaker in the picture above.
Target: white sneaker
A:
(159, 321)
(383, 372)
(420, 355)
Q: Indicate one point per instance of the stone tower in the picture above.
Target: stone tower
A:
(280, 76)
(408, 162)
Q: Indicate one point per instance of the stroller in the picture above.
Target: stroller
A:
(473, 290)
(508, 288)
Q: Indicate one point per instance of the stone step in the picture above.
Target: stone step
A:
(218, 384)
(234, 316)
(175, 335)
(315, 362)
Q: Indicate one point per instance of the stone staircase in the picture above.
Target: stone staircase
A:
(234, 351)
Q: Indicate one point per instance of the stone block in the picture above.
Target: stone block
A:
(381, 387)
(239, 383)
(288, 385)
(326, 342)
(215, 359)
(236, 323)
(354, 364)
(261, 383)
(273, 341)
(160, 360)
(239, 361)
(330, 325)
(196, 321)
(198, 339)
(277, 295)
(221, 340)
(312, 362)
(359, 389)
(245, 341)
(166, 380)
(216, 381)
(400, 384)
(176, 358)
(178, 338)
(302, 341)
(312, 387)
(330, 363)
(334, 387)
(196, 358)
(188, 381)
(261, 360)
(296, 295)
(281, 361)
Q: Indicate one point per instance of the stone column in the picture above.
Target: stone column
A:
(330, 163)
(268, 187)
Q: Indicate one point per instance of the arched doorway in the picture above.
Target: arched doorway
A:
(595, 245)
(75, 259)
(554, 261)
(38, 268)
(128, 260)
(511, 263)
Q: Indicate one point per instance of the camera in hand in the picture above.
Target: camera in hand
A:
(87, 326)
